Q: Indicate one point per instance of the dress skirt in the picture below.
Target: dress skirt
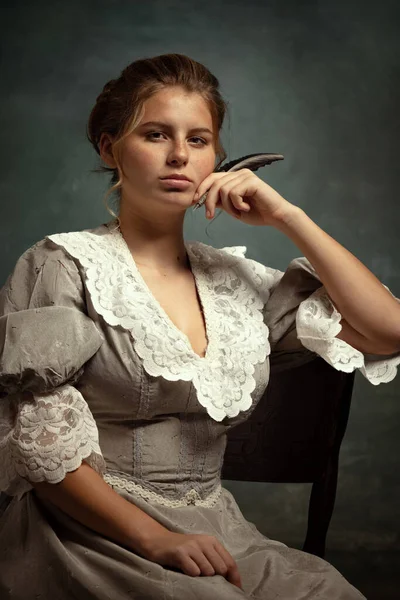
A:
(47, 554)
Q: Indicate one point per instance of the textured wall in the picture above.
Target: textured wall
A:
(315, 81)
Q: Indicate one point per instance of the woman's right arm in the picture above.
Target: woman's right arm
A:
(84, 495)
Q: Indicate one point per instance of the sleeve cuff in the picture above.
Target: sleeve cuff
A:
(318, 323)
(46, 437)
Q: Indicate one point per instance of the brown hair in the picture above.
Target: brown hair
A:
(119, 107)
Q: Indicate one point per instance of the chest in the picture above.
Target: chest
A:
(179, 299)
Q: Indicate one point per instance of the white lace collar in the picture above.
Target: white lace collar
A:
(232, 291)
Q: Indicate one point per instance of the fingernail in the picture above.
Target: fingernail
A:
(208, 214)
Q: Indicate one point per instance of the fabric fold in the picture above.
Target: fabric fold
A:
(42, 348)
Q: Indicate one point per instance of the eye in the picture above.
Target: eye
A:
(152, 133)
(201, 139)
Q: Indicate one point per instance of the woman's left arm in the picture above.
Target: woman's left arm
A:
(371, 315)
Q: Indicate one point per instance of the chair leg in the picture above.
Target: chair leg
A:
(5, 500)
(323, 493)
(322, 501)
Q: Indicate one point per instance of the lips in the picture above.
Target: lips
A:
(181, 184)
(177, 177)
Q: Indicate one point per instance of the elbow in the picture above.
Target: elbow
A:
(387, 346)
(366, 345)
(382, 347)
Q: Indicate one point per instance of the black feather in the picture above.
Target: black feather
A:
(250, 161)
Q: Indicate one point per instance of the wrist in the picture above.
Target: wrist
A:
(149, 531)
(288, 219)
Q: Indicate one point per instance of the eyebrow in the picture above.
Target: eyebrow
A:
(166, 126)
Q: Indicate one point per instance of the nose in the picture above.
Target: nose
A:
(178, 154)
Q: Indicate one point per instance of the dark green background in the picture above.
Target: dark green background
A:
(315, 81)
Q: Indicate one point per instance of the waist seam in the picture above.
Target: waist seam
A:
(191, 497)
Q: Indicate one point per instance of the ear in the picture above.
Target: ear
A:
(105, 149)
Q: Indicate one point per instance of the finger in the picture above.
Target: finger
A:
(212, 177)
(216, 560)
(231, 192)
(232, 575)
(189, 566)
(206, 183)
(209, 181)
(228, 207)
(213, 195)
(244, 189)
(205, 566)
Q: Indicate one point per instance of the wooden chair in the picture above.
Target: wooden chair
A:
(294, 436)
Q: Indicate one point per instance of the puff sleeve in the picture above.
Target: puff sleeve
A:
(304, 322)
(46, 337)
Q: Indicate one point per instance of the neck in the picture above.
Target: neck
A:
(157, 251)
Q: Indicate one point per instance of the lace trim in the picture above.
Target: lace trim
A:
(233, 291)
(44, 437)
(318, 322)
(191, 497)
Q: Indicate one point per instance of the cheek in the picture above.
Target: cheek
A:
(140, 159)
(203, 160)
(205, 165)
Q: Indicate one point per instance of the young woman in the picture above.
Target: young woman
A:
(129, 352)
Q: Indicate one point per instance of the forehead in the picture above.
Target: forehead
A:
(177, 103)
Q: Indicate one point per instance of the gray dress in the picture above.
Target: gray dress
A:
(93, 369)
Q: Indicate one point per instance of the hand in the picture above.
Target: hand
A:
(244, 196)
(194, 554)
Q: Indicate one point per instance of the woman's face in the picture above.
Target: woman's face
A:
(181, 142)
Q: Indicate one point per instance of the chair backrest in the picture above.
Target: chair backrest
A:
(294, 436)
